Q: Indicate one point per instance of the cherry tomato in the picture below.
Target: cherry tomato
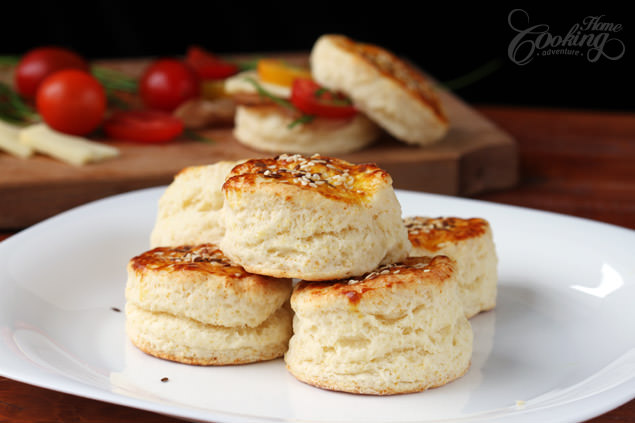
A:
(312, 99)
(146, 126)
(208, 66)
(71, 101)
(167, 83)
(41, 62)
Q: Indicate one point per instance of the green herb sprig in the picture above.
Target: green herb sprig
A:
(115, 83)
(246, 65)
(113, 80)
(301, 121)
(262, 92)
(9, 60)
(266, 94)
(13, 109)
(474, 76)
(193, 135)
(335, 98)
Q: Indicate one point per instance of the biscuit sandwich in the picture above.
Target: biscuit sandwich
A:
(282, 110)
(468, 241)
(390, 91)
(398, 329)
(312, 218)
(192, 305)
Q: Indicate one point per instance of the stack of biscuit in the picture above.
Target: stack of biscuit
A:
(192, 305)
(380, 304)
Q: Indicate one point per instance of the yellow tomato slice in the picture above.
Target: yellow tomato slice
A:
(275, 71)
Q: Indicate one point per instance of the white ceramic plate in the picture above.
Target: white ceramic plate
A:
(560, 345)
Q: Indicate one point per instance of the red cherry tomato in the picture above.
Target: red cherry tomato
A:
(312, 99)
(71, 101)
(167, 83)
(208, 66)
(41, 62)
(146, 126)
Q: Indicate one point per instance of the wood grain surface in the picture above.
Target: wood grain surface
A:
(580, 163)
(572, 162)
(475, 156)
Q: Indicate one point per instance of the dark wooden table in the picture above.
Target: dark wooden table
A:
(580, 163)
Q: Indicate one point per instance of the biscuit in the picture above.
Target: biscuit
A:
(468, 241)
(270, 128)
(191, 304)
(188, 341)
(312, 218)
(396, 330)
(189, 209)
(394, 94)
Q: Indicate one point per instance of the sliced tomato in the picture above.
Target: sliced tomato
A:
(208, 66)
(146, 126)
(312, 99)
(279, 72)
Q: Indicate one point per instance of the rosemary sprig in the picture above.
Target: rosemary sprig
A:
(13, 109)
(9, 60)
(193, 135)
(301, 121)
(113, 80)
(282, 102)
(246, 65)
(474, 76)
(335, 98)
(115, 101)
(266, 94)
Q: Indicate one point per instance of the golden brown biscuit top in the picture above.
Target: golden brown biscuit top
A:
(412, 271)
(205, 258)
(330, 177)
(398, 70)
(434, 233)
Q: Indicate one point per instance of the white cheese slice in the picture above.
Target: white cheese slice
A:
(68, 148)
(238, 84)
(10, 141)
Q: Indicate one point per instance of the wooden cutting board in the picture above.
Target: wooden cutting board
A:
(474, 157)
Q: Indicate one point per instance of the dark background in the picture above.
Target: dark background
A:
(464, 46)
